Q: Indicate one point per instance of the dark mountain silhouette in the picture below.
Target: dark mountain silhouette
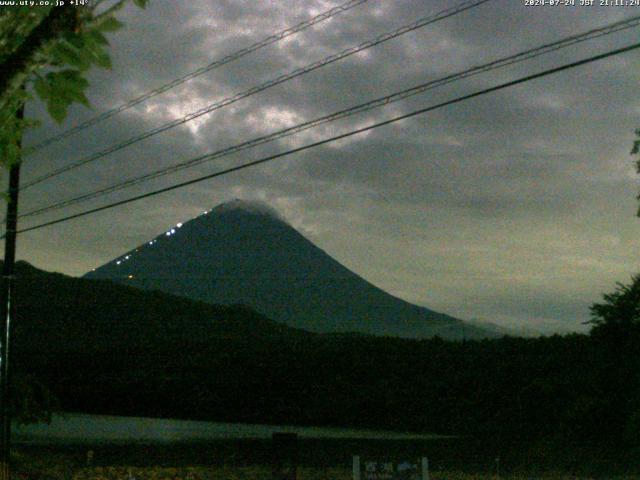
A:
(101, 347)
(56, 312)
(245, 253)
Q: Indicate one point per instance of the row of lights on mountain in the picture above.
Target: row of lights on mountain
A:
(152, 242)
(172, 231)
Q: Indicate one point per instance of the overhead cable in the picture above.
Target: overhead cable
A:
(270, 158)
(276, 37)
(363, 107)
(264, 86)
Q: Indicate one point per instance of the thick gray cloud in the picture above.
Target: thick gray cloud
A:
(516, 207)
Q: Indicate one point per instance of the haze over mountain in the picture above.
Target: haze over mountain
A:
(245, 253)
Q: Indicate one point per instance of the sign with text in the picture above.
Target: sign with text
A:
(370, 469)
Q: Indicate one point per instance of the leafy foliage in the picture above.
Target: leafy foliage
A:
(60, 89)
(112, 349)
(620, 308)
(105, 348)
(617, 332)
(49, 49)
(11, 128)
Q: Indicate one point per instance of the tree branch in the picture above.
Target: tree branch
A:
(58, 21)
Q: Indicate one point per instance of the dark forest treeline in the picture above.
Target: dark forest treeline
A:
(104, 348)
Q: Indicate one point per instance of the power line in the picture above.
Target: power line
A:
(370, 105)
(257, 89)
(276, 37)
(414, 113)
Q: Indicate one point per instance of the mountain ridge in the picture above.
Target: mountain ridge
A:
(244, 252)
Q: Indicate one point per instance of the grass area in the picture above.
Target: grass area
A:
(253, 473)
(318, 460)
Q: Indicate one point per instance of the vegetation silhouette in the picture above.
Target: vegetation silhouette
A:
(100, 347)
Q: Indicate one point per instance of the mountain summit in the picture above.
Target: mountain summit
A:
(245, 253)
(247, 207)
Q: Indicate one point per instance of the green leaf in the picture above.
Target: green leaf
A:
(140, 3)
(57, 108)
(66, 53)
(69, 85)
(95, 37)
(42, 88)
(75, 39)
(61, 89)
(98, 55)
(72, 81)
(109, 24)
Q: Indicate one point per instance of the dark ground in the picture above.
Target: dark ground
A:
(464, 455)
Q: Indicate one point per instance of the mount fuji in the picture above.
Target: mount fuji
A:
(245, 253)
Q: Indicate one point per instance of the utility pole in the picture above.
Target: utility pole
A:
(7, 310)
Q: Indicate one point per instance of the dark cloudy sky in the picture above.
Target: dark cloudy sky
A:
(517, 207)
